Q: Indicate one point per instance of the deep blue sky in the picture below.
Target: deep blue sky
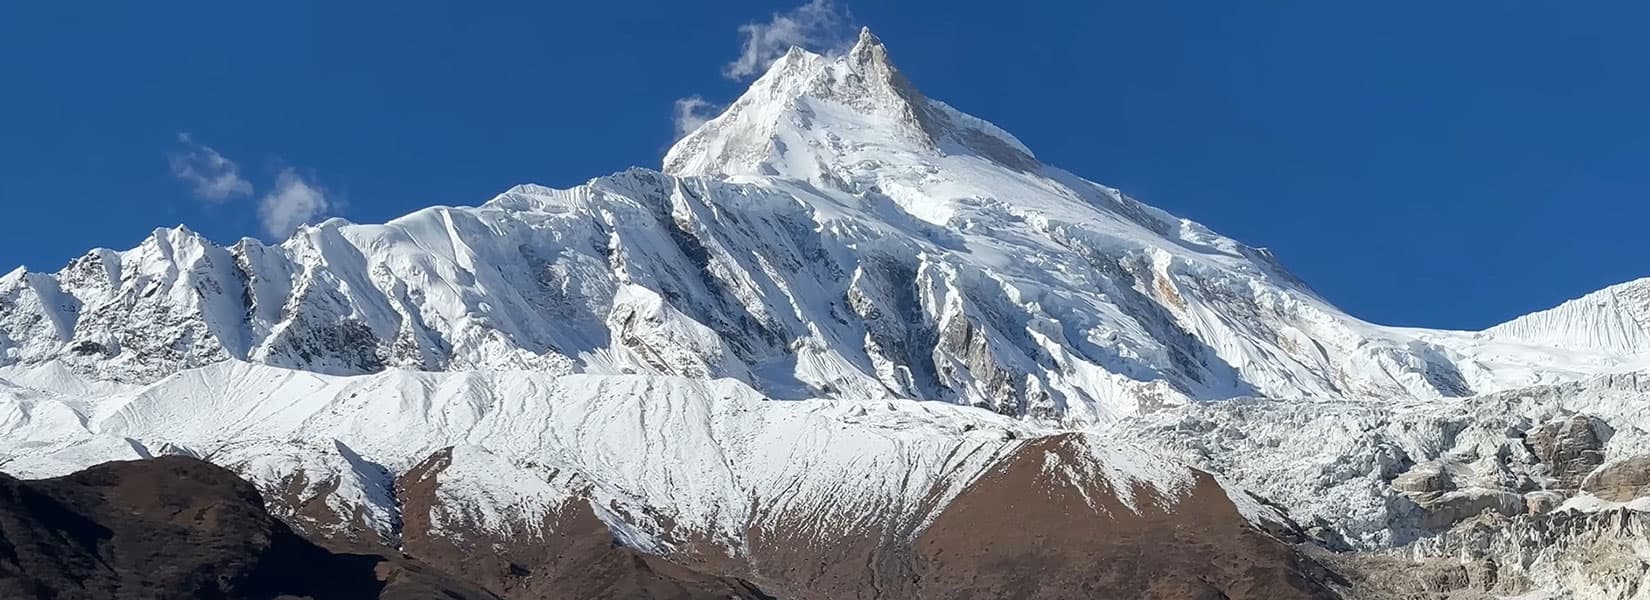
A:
(1447, 164)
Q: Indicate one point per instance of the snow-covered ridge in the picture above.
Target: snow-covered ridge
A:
(708, 457)
(834, 234)
(1614, 320)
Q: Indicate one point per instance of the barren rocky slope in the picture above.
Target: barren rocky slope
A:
(180, 528)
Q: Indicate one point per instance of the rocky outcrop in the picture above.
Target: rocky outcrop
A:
(1620, 481)
(1051, 519)
(1570, 448)
(1431, 478)
(177, 527)
(1382, 475)
(1448, 508)
(1524, 492)
(1562, 554)
(1397, 577)
(1434, 489)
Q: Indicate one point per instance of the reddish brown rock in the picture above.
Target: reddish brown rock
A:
(1620, 481)
(176, 527)
(1021, 532)
(571, 555)
(1569, 447)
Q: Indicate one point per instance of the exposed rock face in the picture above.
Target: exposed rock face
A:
(1046, 522)
(1533, 491)
(1383, 475)
(1563, 554)
(570, 554)
(1026, 531)
(1570, 448)
(178, 527)
(1448, 508)
(1620, 481)
(1433, 488)
(1394, 577)
(1542, 501)
(1424, 479)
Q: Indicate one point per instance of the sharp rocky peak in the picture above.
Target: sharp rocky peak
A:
(822, 117)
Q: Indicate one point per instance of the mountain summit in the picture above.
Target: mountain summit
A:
(837, 121)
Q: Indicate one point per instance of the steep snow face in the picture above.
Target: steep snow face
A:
(1613, 320)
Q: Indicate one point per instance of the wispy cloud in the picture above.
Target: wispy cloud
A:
(691, 112)
(293, 202)
(818, 25)
(210, 176)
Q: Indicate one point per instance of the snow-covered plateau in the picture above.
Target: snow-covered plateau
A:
(839, 306)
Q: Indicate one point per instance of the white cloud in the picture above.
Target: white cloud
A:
(691, 112)
(817, 25)
(293, 202)
(212, 177)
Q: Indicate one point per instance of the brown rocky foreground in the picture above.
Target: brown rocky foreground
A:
(1019, 531)
(180, 528)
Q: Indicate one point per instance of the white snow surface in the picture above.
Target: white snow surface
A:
(1614, 320)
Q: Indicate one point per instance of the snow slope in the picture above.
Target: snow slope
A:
(710, 458)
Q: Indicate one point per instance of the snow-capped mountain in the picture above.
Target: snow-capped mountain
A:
(727, 356)
(833, 234)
